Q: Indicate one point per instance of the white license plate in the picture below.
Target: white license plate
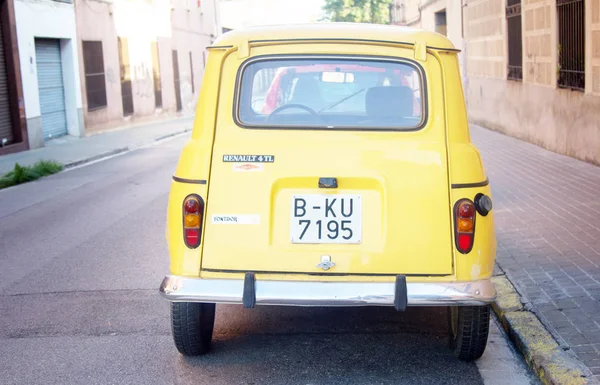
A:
(326, 219)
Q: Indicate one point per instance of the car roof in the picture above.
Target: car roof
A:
(335, 31)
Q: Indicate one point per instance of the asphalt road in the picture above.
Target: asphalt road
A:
(82, 254)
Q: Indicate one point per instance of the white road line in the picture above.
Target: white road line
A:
(152, 144)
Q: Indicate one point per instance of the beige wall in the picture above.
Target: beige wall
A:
(191, 33)
(563, 121)
(485, 38)
(539, 37)
(409, 13)
(535, 109)
(94, 22)
(175, 25)
(421, 14)
(594, 48)
(166, 74)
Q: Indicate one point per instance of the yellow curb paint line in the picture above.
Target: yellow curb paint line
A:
(507, 299)
(550, 363)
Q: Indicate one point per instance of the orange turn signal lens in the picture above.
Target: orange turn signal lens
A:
(192, 220)
(465, 225)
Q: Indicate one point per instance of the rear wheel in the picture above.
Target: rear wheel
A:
(192, 326)
(469, 328)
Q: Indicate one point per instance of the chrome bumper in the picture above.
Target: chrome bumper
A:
(310, 293)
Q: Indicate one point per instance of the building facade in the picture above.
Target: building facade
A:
(142, 59)
(533, 68)
(49, 68)
(13, 126)
(442, 16)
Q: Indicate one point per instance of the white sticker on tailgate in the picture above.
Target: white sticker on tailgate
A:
(326, 219)
(233, 219)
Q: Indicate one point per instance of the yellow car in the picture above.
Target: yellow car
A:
(330, 165)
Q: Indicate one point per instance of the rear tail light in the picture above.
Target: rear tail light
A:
(464, 225)
(193, 210)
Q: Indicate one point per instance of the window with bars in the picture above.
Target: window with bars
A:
(440, 22)
(571, 44)
(515, 40)
(93, 66)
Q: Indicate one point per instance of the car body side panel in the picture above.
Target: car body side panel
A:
(466, 169)
(184, 261)
(479, 262)
(194, 166)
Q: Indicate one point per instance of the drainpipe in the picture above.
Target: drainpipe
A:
(418, 18)
(463, 5)
(421, 6)
(218, 30)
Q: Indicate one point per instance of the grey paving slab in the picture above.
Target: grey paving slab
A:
(547, 212)
(69, 150)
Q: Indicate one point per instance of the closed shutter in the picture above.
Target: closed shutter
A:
(6, 131)
(50, 85)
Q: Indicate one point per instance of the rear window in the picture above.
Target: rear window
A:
(331, 94)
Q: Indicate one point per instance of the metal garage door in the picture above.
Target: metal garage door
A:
(6, 131)
(50, 85)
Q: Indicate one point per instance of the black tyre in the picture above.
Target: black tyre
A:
(469, 329)
(192, 327)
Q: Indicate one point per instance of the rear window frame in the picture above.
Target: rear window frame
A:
(275, 57)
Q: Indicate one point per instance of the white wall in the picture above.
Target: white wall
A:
(211, 17)
(425, 18)
(54, 20)
(192, 31)
(243, 13)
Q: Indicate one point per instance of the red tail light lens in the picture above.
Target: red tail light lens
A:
(191, 206)
(193, 211)
(466, 210)
(465, 241)
(464, 225)
(192, 237)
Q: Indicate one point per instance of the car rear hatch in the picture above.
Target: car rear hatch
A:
(372, 200)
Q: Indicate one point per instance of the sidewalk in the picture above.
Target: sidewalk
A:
(547, 213)
(71, 151)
